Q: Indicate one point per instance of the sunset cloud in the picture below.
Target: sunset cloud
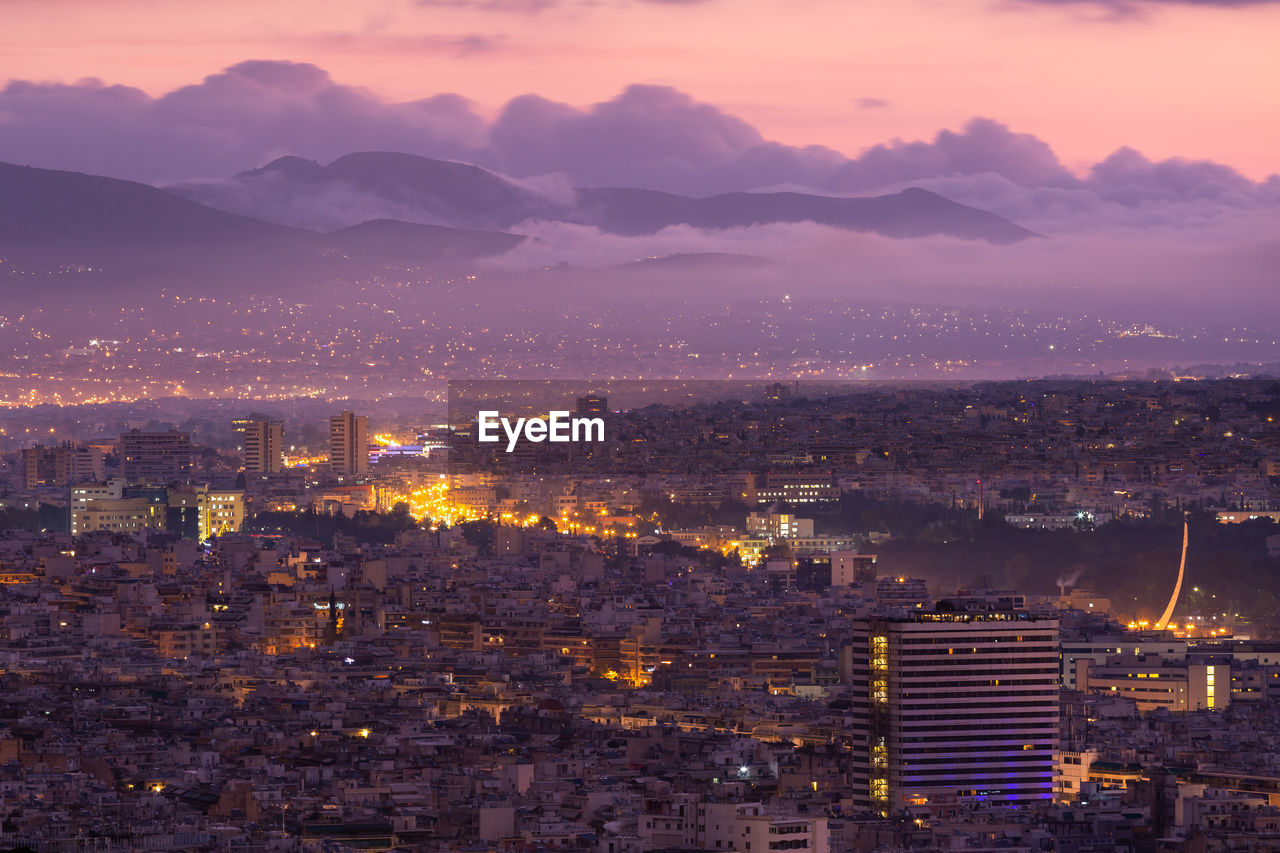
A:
(843, 76)
(1131, 4)
(533, 7)
(647, 136)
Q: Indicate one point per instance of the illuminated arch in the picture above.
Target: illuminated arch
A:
(1177, 587)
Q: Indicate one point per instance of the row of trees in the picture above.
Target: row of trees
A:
(378, 528)
(47, 518)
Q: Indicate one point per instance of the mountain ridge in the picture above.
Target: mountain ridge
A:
(462, 195)
(72, 216)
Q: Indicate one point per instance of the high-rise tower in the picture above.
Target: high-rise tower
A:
(954, 706)
(349, 444)
(263, 447)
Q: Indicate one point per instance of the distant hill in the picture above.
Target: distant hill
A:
(392, 240)
(374, 185)
(47, 207)
(369, 185)
(54, 216)
(404, 210)
(911, 213)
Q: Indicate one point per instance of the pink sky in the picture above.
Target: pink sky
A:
(1185, 79)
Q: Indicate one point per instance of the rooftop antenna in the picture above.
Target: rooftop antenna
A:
(1177, 587)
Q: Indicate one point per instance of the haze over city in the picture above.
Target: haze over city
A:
(1094, 170)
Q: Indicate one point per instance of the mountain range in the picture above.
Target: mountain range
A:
(49, 216)
(389, 185)
(378, 208)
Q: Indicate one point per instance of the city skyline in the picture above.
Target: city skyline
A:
(639, 426)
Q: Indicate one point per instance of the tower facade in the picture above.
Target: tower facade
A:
(263, 447)
(60, 465)
(155, 457)
(954, 707)
(349, 444)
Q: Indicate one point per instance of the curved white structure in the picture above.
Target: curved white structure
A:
(1177, 588)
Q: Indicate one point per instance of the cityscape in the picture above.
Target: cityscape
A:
(639, 426)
